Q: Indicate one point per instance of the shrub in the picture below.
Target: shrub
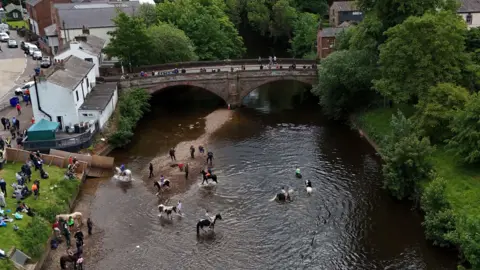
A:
(405, 156)
(34, 237)
(132, 106)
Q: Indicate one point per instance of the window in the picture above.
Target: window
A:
(469, 18)
(87, 114)
(89, 59)
(356, 13)
(88, 84)
(76, 93)
(15, 15)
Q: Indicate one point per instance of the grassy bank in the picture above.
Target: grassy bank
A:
(18, 24)
(462, 181)
(55, 194)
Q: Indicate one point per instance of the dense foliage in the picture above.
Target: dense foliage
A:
(344, 82)
(406, 159)
(132, 106)
(437, 110)
(170, 44)
(304, 31)
(34, 237)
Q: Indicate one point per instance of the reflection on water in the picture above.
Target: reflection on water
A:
(348, 222)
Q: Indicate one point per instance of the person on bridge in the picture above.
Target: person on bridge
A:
(192, 151)
(210, 157)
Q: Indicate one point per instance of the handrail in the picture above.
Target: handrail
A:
(59, 143)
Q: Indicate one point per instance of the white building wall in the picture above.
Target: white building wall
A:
(100, 116)
(35, 29)
(56, 101)
(475, 19)
(75, 51)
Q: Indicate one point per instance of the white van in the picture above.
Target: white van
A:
(31, 49)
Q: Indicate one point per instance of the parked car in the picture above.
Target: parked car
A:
(12, 43)
(4, 37)
(46, 62)
(20, 90)
(37, 55)
(31, 49)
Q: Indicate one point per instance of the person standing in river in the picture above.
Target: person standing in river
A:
(210, 157)
(150, 168)
(192, 151)
(186, 171)
(172, 154)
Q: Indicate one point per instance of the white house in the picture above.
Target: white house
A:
(87, 47)
(470, 11)
(93, 18)
(69, 94)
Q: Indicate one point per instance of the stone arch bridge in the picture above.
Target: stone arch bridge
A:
(232, 87)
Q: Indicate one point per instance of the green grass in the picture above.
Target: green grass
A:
(55, 194)
(18, 24)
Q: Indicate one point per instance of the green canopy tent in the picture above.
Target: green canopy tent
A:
(43, 130)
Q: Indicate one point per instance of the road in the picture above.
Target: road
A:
(15, 69)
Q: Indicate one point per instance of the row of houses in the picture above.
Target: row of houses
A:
(343, 14)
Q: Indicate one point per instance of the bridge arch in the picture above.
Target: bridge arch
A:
(205, 86)
(248, 86)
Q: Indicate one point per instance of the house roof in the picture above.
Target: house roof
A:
(99, 97)
(51, 30)
(33, 2)
(44, 125)
(331, 31)
(11, 7)
(469, 6)
(93, 44)
(344, 6)
(92, 15)
(71, 73)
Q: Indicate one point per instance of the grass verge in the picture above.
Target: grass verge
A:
(18, 24)
(55, 194)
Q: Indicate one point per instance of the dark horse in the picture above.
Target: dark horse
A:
(281, 197)
(76, 260)
(207, 175)
(205, 222)
(166, 183)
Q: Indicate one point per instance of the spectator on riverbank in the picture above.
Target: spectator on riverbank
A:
(3, 186)
(172, 154)
(19, 109)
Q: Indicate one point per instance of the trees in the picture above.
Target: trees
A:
(466, 129)
(148, 13)
(304, 34)
(206, 24)
(437, 110)
(284, 16)
(405, 156)
(170, 44)
(419, 53)
(129, 41)
(344, 82)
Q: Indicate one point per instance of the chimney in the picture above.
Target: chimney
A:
(82, 38)
(85, 30)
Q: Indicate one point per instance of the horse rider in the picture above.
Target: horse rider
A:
(297, 171)
(287, 196)
(122, 169)
(206, 175)
(308, 183)
(211, 218)
(210, 157)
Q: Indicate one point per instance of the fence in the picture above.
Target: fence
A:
(92, 161)
(17, 155)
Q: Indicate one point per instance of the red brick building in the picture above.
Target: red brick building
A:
(40, 14)
(326, 41)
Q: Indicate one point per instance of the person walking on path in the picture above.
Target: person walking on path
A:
(172, 154)
(89, 226)
(4, 123)
(192, 151)
(3, 186)
(150, 168)
(19, 109)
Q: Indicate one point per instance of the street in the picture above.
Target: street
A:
(15, 69)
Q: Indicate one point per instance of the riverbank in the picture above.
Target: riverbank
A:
(462, 185)
(163, 165)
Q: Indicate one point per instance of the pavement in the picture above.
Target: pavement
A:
(15, 69)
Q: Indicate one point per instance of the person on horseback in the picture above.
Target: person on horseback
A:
(209, 217)
(284, 191)
(205, 177)
(297, 171)
(122, 170)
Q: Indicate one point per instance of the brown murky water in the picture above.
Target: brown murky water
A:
(349, 222)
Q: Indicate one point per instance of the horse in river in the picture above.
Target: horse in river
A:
(167, 209)
(125, 176)
(207, 223)
(283, 197)
(160, 186)
(207, 175)
(308, 186)
(76, 260)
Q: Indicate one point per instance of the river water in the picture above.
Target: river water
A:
(349, 222)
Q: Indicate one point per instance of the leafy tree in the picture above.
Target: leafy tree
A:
(170, 44)
(405, 156)
(319, 7)
(466, 129)
(467, 236)
(129, 41)
(438, 108)
(439, 218)
(148, 13)
(344, 82)
(421, 52)
(367, 35)
(258, 14)
(235, 10)
(472, 40)
(343, 39)
(304, 34)
(284, 16)
(206, 24)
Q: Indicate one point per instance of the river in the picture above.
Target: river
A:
(349, 222)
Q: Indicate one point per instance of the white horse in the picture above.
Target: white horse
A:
(166, 209)
(77, 217)
(308, 187)
(126, 176)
